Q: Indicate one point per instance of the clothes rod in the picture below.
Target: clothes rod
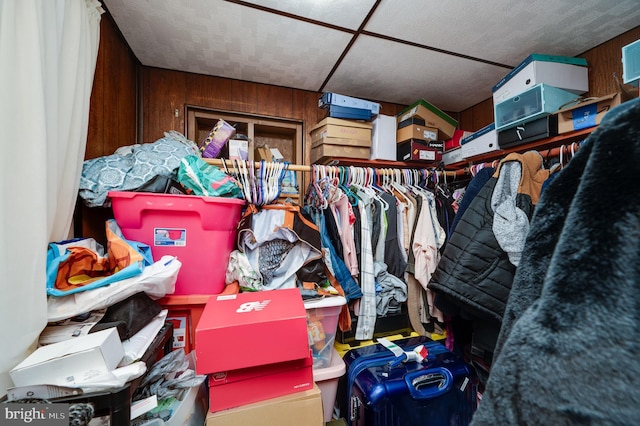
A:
(383, 169)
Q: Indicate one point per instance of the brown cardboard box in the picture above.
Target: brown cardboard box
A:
(296, 409)
(341, 141)
(432, 116)
(337, 128)
(322, 152)
(589, 113)
(415, 131)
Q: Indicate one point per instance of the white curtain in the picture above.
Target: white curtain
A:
(48, 51)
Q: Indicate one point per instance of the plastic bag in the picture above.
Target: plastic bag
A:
(156, 280)
(80, 265)
(206, 180)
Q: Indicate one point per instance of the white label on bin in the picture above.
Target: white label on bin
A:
(176, 237)
(427, 155)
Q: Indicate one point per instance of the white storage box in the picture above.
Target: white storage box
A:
(71, 362)
(536, 102)
(483, 141)
(452, 156)
(327, 380)
(383, 138)
(570, 74)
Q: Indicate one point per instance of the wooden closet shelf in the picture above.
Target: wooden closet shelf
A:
(542, 146)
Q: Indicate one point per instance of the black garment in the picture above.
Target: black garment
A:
(332, 231)
(392, 256)
(375, 224)
(471, 191)
(474, 273)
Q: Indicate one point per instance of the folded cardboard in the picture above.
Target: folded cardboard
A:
(419, 150)
(329, 98)
(480, 142)
(245, 330)
(338, 128)
(296, 409)
(71, 361)
(234, 388)
(563, 72)
(541, 128)
(415, 131)
(589, 113)
(325, 152)
(536, 102)
(383, 138)
(432, 116)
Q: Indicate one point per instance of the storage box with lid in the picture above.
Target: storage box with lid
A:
(333, 137)
(432, 116)
(330, 98)
(480, 142)
(631, 63)
(531, 131)
(415, 131)
(563, 72)
(199, 231)
(536, 102)
(339, 128)
(419, 150)
(324, 149)
(327, 380)
(253, 346)
(322, 325)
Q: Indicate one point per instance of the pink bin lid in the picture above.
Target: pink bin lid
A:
(334, 370)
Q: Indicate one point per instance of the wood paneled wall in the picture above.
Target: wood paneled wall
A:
(603, 61)
(166, 94)
(112, 115)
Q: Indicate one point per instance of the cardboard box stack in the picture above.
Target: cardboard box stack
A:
(242, 350)
(335, 137)
(421, 131)
(347, 130)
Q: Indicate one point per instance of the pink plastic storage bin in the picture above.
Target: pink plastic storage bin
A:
(327, 380)
(199, 231)
(322, 325)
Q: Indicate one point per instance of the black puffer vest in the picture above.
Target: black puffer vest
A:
(474, 275)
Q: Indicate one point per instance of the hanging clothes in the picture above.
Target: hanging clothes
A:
(474, 275)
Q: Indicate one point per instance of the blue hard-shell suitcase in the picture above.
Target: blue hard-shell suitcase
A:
(381, 390)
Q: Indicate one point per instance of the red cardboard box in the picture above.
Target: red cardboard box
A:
(454, 142)
(235, 388)
(251, 329)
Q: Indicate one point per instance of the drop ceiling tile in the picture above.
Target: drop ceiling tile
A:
(347, 14)
(505, 31)
(224, 39)
(378, 69)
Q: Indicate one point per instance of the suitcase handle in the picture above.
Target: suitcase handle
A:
(430, 383)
